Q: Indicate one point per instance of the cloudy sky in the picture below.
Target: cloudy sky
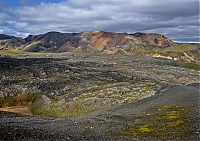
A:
(176, 19)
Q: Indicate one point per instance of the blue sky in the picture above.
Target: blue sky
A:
(175, 19)
(11, 3)
(15, 3)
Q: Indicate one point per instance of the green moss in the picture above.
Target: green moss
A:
(165, 107)
(169, 123)
(145, 128)
(169, 112)
(140, 130)
(77, 105)
(62, 111)
(174, 123)
(170, 115)
(192, 66)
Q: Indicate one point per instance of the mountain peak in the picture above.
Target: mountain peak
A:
(97, 31)
(4, 37)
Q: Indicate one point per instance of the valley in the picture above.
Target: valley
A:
(97, 97)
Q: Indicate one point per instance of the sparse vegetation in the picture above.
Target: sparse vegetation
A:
(98, 94)
(192, 66)
(169, 123)
(17, 100)
(79, 84)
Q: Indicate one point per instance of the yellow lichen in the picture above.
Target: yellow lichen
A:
(145, 128)
(169, 123)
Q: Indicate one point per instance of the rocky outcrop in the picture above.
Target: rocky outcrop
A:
(155, 39)
(163, 56)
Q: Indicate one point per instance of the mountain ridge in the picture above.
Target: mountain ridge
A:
(142, 44)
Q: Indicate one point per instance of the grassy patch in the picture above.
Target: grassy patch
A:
(182, 47)
(192, 66)
(142, 51)
(10, 53)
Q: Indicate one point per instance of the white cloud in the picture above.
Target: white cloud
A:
(163, 17)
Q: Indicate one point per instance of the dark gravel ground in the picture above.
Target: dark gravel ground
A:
(111, 124)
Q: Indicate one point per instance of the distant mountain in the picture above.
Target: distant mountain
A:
(10, 42)
(52, 42)
(96, 41)
(4, 37)
(105, 43)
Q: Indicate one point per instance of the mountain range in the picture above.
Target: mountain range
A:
(142, 44)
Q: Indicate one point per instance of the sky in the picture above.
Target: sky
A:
(175, 19)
